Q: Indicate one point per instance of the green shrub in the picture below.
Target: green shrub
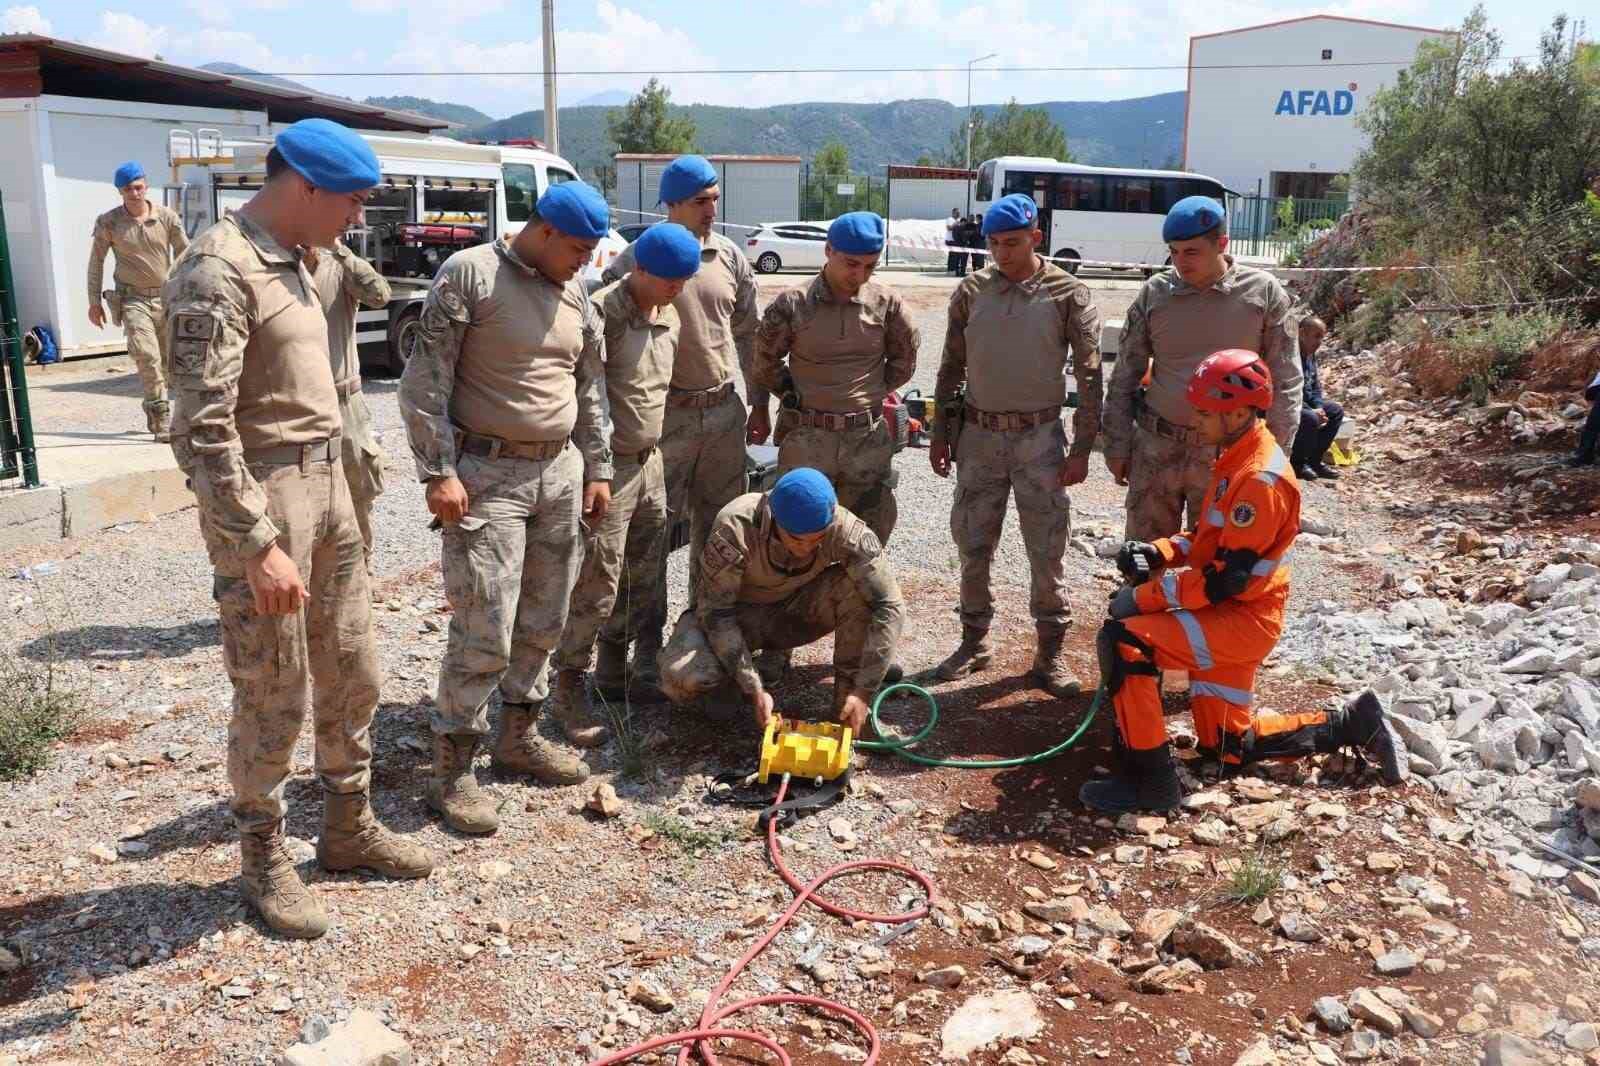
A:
(36, 710)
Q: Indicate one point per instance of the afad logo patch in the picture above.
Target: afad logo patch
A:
(1244, 516)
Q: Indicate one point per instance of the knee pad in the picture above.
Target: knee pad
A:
(1113, 667)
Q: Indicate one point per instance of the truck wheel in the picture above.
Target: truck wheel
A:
(1070, 260)
(403, 335)
(768, 263)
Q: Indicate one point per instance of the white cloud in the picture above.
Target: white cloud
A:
(210, 13)
(23, 20)
(121, 32)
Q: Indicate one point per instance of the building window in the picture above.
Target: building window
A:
(1327, 54)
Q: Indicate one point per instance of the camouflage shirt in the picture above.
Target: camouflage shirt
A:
(1172, 326)
(844, 355)
(639, 354)
(505, 352)
(717, 311)
(1009, 343)
(745, 562)
(345, 284)
(146, 248)
(248, 344)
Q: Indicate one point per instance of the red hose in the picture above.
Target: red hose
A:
(699, 1039)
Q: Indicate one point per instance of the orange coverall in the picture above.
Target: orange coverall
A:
(1253, 505)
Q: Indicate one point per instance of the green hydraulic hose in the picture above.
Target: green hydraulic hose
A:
(902, 747)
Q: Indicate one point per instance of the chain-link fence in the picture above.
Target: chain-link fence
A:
(825, 196)
(1278, 227)
(19, 464)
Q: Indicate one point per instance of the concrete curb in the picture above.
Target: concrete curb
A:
(52, 512)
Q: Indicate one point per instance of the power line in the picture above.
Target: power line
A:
(746, 71)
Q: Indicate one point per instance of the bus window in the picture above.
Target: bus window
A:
(522, 191)
(985, 189)
(1079, 193)
(1132, 195)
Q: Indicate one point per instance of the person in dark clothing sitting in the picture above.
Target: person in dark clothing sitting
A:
(1589, 436)
(1320, 417)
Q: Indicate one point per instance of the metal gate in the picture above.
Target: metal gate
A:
(1277, 226)
(19, 465)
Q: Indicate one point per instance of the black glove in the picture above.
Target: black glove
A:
(1135, 560)
(1123, 605)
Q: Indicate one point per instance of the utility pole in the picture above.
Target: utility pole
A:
(552, 133)
(970, 63)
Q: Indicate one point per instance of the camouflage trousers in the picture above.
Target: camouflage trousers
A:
(702, 462)
(363, 463)
(1165, 478)
(829, 604)
(509, 567)
(859, 462)
(611, 599)
(324, 650)
(990, 466)
(143, 325)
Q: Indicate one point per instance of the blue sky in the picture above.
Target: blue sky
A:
(432, 43)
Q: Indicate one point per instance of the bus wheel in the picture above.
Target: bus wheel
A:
(1070, 260)
(404, 330)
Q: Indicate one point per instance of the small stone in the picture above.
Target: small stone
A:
(1207, 801)
(495, 869)
(1141, 824)
(1582, 1036)
(468, 952)
(1332, 1014)
(1365, 1005)
(1213, 833)
(1259, 1053)
(1297, 927)
(1130, 855)
(1067, 911)
(1421, 1022)
(103, 853)
(1030, 947)
(1583, 886)
(1508, 1049)
(1263, 915)
(604, 801)
(177, 753)
(945, 977)
(1039, 860)
(1361, 1045)
(1105, 921)
(650, 997)
(841, 831)
(1531, 1020)
(1397, 963)
(985, 1020)
(1258, 816)
(10, 961)
(1472, 1023)
(281, 1005)
(360, 1040)
(628, 932)
(1156, 927)
(1384, 862)
(1018, 1056)
(1209, 947)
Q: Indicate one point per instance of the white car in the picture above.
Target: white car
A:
(776, 246)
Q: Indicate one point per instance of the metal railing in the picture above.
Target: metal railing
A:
(827, 196)
(1277, 227)
(19, 463)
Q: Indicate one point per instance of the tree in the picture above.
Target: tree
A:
(926, 160)
(829, 167)
(645, 125)
(1012, 130)
(832, 161)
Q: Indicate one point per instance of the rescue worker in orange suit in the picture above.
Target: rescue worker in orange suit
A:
(1213, 606)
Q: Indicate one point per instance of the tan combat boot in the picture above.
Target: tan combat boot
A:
(351, 838)
(569, 704)
(454, 792)
(271, 885)
(519, 749)
(973, 654)
(157, 421)
(1050, 671)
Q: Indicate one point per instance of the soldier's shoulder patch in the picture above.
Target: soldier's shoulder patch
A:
(867, 542)
(1244, 515)
(192, 335)
(721, 553)
(1222, 490)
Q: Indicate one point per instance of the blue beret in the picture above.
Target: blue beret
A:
(1190, 217)
(684, 177)
(575, 209)
(328, 155)
(1010, 212)
(857, 233)
(667, 250)
(127, 174)
(802, 501)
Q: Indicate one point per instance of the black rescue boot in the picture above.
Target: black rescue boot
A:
(1149, 783)
(1363, 726)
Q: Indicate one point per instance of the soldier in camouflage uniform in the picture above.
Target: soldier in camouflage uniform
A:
(702, 437)
(780, 570)
(256, 430)
(1014, 326)
(1204, 304)
(641, 339)
(346, 283)
(504, 402)
(844, 342)
(148, 238)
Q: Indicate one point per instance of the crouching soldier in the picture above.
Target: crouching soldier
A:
(1213, 606)
(780, 570)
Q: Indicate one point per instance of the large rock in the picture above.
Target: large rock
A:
(1579, 703)
(1547, 581)
(360, 1040)
(1497, 747)
(1211, 948)
(985, 1020)
(1423, 739)
(1260, 1053)
(1156, 927)
(1366, 1005)
(1471, 706)
(1332, 1014)
(1501, 1048)
(1531, 661)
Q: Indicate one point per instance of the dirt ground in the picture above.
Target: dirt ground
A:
(527, 946)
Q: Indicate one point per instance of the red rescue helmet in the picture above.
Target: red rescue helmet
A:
(1231, 379)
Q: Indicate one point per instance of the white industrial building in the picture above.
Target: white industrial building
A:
(70, 114)
(1273, 108)
(755, 189)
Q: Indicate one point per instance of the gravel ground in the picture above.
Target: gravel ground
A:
(521, 947)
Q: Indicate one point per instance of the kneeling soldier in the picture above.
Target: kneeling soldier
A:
(780, 570)
(1220, 615)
